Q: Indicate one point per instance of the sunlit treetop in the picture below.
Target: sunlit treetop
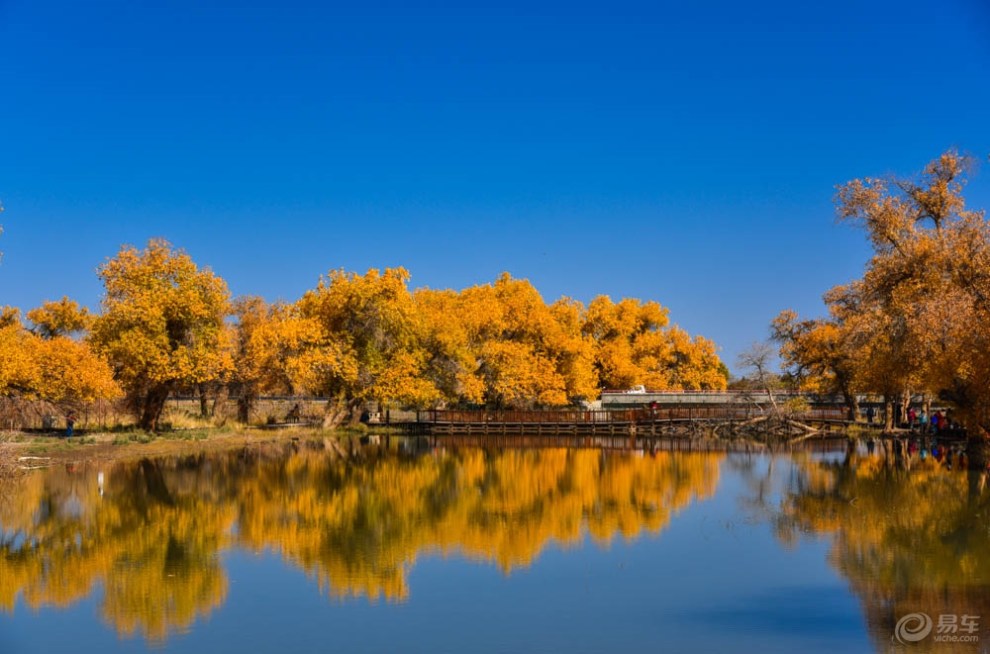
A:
(62, 318)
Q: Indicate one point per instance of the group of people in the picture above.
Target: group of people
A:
(923, 423)
(920, 421)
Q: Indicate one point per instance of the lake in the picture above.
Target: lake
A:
(408, 547)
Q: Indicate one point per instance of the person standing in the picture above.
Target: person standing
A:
(70, 423)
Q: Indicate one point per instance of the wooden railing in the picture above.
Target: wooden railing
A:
(578, 416)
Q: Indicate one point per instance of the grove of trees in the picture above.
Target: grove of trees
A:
(918, 320)
(168, 326)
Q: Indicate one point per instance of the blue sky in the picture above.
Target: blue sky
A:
(683, 152)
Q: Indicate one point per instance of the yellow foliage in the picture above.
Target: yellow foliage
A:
(60, 318)
(501, 343)
(515, 374)
(275, 351)
(9, 316)
(369, 345)
(162, 324)
(634, 345)
(354, 338)
(59, 370)
(70, 373)
(919, 318)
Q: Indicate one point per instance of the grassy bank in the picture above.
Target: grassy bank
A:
(129, 444)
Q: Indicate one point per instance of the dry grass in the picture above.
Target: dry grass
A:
(8, 461)
(185, 413)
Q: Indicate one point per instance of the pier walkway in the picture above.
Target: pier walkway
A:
(641, 422)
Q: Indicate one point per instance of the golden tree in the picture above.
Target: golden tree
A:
(55, 369)
(162, 325)
(369, 346)
(19, 376)
(575, 351)
(819, 355)
(528, 352)
(70, 374)
(920, 315)
(929, 276)
(501, 343)
(272, 345)
(634, 345)
(447, 338)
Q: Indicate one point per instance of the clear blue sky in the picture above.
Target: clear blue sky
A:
(685, 152)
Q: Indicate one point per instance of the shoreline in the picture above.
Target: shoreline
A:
(99, 447)
(22, 451)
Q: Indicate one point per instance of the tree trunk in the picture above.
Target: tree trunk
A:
(219, 400)
(851, 400)
(152, 407)
(247, 395)
(244, 405)
(852, 407)
(340, 410)
(888, 413)
(204, 405)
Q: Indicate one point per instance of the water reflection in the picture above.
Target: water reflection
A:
(908, 534)
(152, 542)
(151, 534)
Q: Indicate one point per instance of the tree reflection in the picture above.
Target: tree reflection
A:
(356, 529)
(909, 535)
(153, 539)
(152, 543)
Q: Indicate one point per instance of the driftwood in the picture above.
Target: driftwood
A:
(772, 427)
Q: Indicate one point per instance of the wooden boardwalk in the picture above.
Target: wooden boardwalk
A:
(641, 423)
(621, 443)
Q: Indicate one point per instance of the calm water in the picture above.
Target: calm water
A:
(462, 549)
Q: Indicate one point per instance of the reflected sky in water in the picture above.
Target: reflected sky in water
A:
(466, 549)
